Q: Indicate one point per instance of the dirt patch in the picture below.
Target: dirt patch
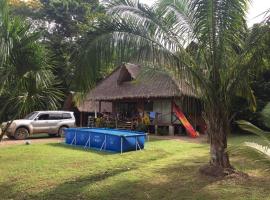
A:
(219, 172)
(8, 142)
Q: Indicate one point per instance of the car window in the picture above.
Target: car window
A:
(31, 116)
(55, 116)
(43, 117)
(67, 116)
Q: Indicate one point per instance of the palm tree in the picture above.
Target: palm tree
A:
(5, 43)
(26, 72)
(202, 41)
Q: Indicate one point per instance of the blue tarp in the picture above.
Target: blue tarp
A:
(105, 139)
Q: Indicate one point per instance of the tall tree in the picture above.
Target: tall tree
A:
(259, 76)
(204, 41)
(63, 23)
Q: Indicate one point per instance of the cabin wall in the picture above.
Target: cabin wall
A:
(188, 106)
(163, 107)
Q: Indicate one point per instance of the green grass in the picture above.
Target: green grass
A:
(164, 170)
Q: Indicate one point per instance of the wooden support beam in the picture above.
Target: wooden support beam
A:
(172, 111)
(99, 106)
(81, 119)
(171, 130)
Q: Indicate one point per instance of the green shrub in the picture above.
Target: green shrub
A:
(163, 131)
(100, 122)
(142, 127)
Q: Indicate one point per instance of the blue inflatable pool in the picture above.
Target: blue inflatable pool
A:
(105, 139)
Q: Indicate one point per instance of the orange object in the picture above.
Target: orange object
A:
(190, 130)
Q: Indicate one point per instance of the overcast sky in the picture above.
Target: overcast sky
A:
(256, 8)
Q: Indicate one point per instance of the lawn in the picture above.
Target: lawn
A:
(166, 169)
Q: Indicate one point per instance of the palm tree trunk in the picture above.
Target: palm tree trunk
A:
(5, 130)
(219, 156)
(218, 130)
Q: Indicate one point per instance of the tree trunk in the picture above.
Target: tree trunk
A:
(218, 151)
(218, 128)
(5, 130)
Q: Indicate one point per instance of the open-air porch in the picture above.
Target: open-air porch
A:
(155, 115)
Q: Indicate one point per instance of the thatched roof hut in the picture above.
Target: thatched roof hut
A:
(129, 81)
(129, 92)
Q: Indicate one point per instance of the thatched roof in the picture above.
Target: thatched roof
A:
(85, 106)
(92, 106)
(126, 83)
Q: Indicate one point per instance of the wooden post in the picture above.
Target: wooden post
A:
(156, 129)
(81, 119)
(115, 110)
(171, 127)
(99, 106)
(171, 130)
(156, 123)
(171, 111)
(95, 109)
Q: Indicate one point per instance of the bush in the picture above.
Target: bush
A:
(142, 127)
(163, 131)
(100, 122)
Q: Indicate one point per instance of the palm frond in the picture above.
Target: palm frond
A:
(247, 126)
(265, 150)
(5, 40)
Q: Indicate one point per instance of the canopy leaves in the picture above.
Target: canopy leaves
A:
(26, 73)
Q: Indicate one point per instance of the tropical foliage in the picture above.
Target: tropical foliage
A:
(26, 75)
(63, 23)
(203, 42)
(259, 76)
(264, 146)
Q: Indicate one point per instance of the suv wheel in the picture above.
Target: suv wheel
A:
(61, 132)
(21, 133)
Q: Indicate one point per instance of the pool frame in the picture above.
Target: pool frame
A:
(134, 134)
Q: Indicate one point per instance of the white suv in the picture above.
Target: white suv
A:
(50, 122)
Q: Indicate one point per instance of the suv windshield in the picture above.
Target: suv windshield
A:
(31, 116)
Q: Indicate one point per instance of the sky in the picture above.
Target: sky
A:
(256, 8)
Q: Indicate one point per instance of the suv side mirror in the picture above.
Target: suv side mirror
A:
(36, 119)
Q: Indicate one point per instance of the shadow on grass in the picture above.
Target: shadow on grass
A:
(179, 180)
(92, 150)
(149, 178)
(185, 182)
(68, 190)
(79, 148)
(169, 182)
(8, 191)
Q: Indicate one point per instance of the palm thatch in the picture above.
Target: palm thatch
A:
(93, 106)
(128, 82)
(85, 106)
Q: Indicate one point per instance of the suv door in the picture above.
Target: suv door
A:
(55, 119)
(41, 124)
(68, 120)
